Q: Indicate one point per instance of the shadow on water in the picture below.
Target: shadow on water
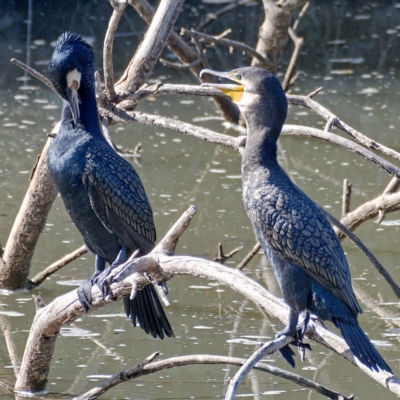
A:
(350, 50)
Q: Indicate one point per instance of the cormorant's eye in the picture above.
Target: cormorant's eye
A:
(238, 76)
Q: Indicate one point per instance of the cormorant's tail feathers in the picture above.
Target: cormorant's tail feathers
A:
(146, 311)
(361, 346)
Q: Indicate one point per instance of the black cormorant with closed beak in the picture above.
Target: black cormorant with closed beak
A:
(295, 235)
(102, 192)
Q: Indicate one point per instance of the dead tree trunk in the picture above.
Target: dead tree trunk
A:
(273, 34)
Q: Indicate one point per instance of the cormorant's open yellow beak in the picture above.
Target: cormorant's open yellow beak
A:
(235, 92)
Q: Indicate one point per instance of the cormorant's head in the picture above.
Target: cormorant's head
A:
(256, 91)
(70, 66)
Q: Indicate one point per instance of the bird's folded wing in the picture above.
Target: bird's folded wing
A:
(300, 234)
(119, 200)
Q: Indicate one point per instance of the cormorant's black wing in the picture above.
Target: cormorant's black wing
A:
(299, 233)
(118, 198)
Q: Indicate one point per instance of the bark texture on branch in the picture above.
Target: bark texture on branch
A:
(187, 56)
(273, 33)
(28, 225)
(150, 49)
(161, 266)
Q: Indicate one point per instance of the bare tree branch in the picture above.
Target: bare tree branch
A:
(273, 32)
(249, 256)
(347, 197)
(297, 130)
(160, 266)
(225, 42)
(298, 43)
(187, 56)
(210, 17)
(208, 359)
(51, 269)
(28, 225)
(307, 101)
(150, 49)
(121, 376)
(119, 7)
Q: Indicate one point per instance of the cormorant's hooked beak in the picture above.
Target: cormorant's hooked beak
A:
(73, 82)
(235, 92)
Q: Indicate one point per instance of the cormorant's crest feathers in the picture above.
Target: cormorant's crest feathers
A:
(71, 39)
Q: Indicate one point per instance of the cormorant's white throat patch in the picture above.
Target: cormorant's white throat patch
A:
(74, 79)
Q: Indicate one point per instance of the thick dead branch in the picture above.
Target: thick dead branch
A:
(160, 266)
(150, 49)
(28, 225)
(187, 56)
(225, 42)
(51, 269)
(208, 359)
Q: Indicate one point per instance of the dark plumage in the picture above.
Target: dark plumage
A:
(300, 244)
(101, 191)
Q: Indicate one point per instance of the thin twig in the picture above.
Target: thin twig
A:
(301, 14)
(221, 257)
(379, 267)
(51, 269)
(224, 42)
(347, 197)
(249, 256)
(298, 43)
(210, 17)
(119, 377)
(33, 72)
(180, 65)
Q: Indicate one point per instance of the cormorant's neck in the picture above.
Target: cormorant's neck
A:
(260, 150)
(88, 113)
(264, 119)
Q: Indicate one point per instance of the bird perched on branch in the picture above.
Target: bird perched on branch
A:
(295, 235)
(101, 191)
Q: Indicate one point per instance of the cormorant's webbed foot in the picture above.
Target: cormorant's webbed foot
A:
(85, 290)
(85, 294)
(287, 353)
(102, 280)
(297, 331)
